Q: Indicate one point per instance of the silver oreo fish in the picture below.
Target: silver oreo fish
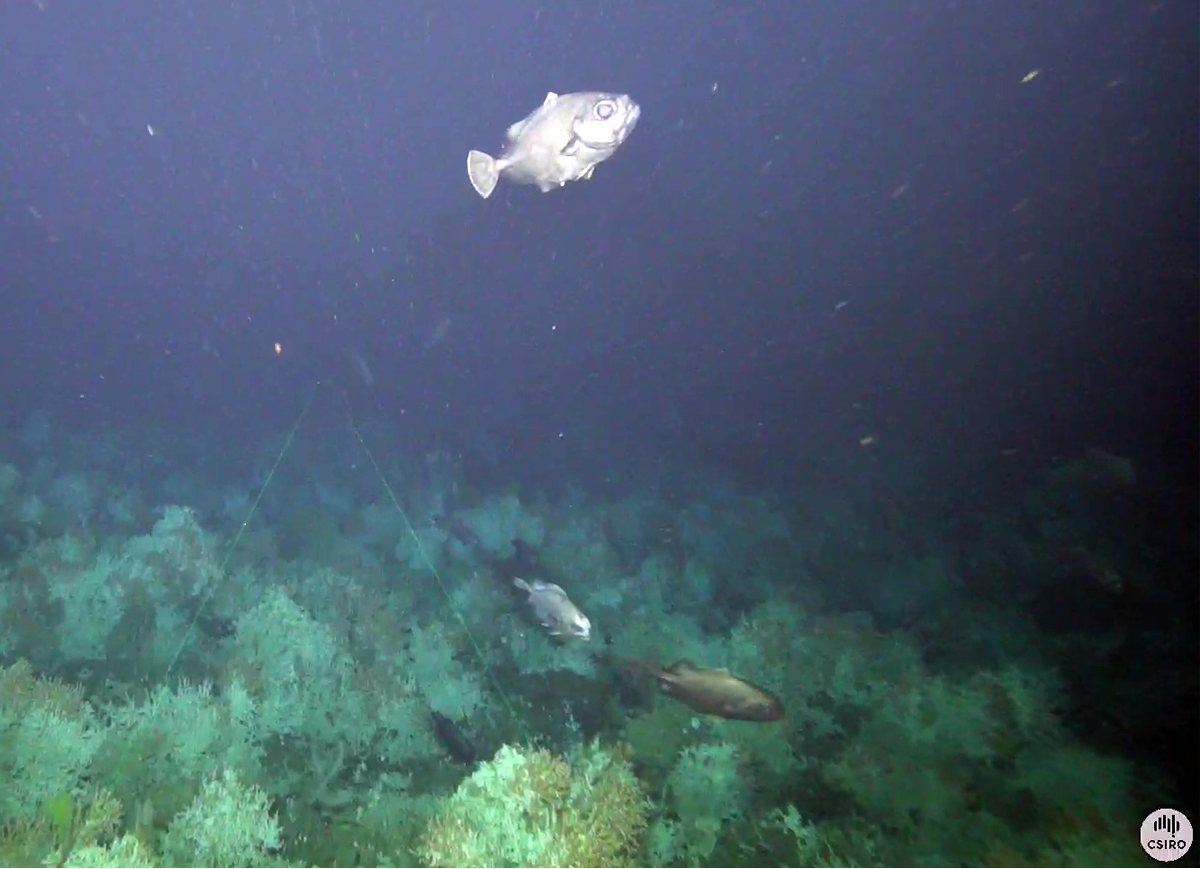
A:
(554, 609)
(562, 140)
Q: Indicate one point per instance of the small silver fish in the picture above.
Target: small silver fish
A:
(562, 140)
(554, 609)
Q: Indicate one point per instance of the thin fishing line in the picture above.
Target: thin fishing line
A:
(424, 553)
(241, 531)
(191, 628)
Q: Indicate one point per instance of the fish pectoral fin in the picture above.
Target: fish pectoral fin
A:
(571, 148)
(588, 173)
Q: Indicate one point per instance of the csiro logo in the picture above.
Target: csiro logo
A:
(1166, 835)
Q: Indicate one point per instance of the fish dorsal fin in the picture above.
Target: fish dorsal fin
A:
(514, 132)
(678, 667)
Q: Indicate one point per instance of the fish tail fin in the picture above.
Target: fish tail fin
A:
(483, 172)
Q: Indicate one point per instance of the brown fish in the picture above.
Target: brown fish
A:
(716, 692)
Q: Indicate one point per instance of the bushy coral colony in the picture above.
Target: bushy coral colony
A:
(328, 685)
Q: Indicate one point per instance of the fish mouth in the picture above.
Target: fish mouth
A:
(582, 630)
(631, 119)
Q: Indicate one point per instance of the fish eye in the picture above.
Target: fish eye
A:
(605, 109)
